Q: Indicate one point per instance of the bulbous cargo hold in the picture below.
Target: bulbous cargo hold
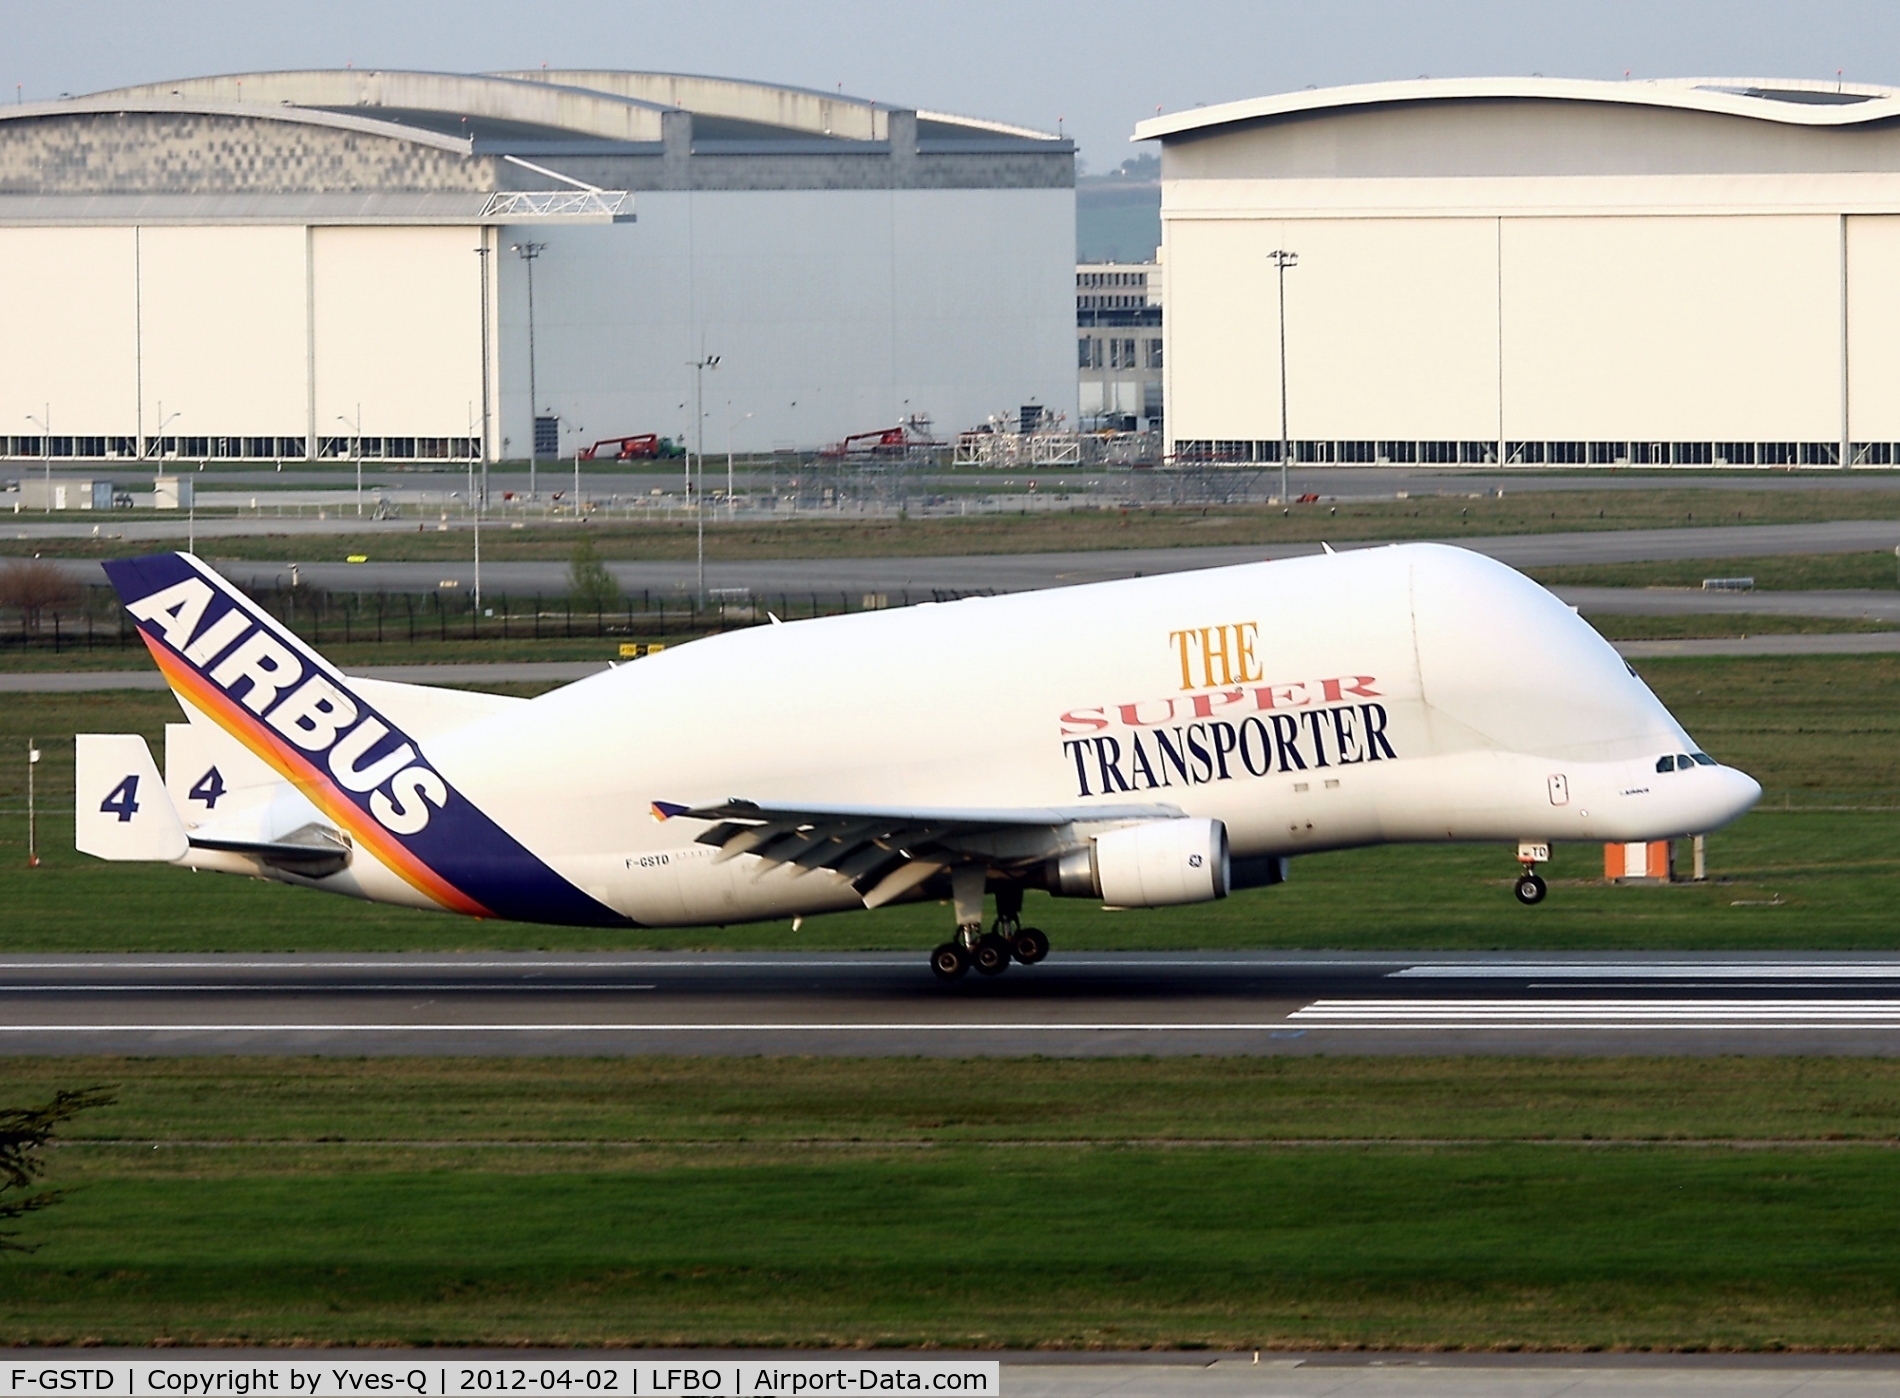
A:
(1158, 741)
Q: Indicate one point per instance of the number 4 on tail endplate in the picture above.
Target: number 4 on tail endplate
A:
(123, 802)
(208, 789)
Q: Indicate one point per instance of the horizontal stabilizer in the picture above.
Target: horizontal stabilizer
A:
(120, 808)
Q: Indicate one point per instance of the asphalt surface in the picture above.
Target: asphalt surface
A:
(881, 1004)
(924, 577)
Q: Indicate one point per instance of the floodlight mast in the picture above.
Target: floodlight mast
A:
(698, 474)
(1282, 259)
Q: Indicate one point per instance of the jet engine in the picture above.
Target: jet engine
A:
(1150, 865)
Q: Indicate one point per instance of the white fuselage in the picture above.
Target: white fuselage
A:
(1409, 693)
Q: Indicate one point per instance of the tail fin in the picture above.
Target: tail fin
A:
(120, 807)
(231, 661)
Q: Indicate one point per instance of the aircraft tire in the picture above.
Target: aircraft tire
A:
(990, 956)
(1531, 889)
(949, 961)
(1029, 945)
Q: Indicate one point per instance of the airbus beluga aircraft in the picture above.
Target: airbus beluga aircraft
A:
(1156, 741)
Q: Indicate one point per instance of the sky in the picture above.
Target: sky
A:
(1094, 69)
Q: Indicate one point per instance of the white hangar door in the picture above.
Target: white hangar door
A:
(1672, 329)
(1391, 329)
(222, 316)
(397, 331)
(1873, 330)
(69, 343)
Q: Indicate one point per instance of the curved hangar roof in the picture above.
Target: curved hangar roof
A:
(358, 144)
(1537, 126)
(532, 106)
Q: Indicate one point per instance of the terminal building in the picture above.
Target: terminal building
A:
(424, 266)
(1118, 349)
(1537, 272)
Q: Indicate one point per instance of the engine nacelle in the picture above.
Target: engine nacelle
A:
(1151, 865)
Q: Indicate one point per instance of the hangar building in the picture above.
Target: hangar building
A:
(292, 265)
(1533, 270)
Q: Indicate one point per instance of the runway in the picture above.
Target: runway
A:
(888, 1004)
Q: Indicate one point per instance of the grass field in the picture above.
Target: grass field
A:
(1817, 866)
(1273, 1202)
(1087, 528)
(1795, 572)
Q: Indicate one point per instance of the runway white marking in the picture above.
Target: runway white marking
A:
(1650, 970)
(1599, 1014)
(345, 988)
(695, 1027)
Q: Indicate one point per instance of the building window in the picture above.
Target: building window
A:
(1608, 453)
(1649, 453)
(1735, 453)
(1693, 453)
(1154, 354)
(1820, 453)
(1873, 453)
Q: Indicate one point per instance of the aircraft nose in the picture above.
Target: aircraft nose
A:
(1737, 795)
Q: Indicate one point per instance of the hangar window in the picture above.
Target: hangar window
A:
(462, 447)
(24, 446)
(89, 446)
(1398, 451)
(190, 446)
(123, 446)
(1873, 453)
(1735, 453)
(1775, 453)
(404, 447)
(1820, 453)
(1518, 453)
(1312, 451)
(1477, 453)
(290, 446)
(1438, 453)
(1693, 453)
(432, 448)
(1608, 453)
(260, 446)
(1566, 454)
(59, 446)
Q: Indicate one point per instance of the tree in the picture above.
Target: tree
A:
(590, 587)
(35, 586)
(24, 1132)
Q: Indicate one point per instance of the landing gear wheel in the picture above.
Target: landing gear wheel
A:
(990, 955)
(1530, 889)
(949, 961)
(1029, 945)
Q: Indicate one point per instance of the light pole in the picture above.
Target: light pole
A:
(32, 819)
(487, 416)
(528, 252)
(357, 426)
(730, 424)
(700, 366)
(164, 421)
(1282, 259)
(46, 450)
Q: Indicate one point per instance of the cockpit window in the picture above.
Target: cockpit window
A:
(1666, 763)
(1702, 759)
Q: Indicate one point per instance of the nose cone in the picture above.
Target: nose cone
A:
(1736, 793)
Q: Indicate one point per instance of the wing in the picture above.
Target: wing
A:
(886, 851)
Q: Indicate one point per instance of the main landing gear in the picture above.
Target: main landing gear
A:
(989, 952)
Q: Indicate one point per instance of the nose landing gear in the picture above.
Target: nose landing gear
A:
(1531, 889)
(988, 952)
